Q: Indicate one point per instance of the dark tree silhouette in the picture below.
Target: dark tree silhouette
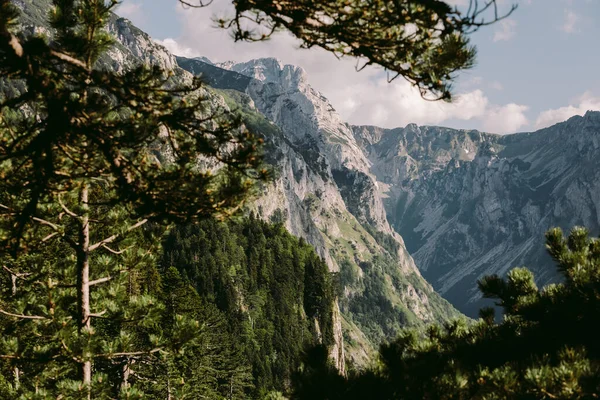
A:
(424, 41)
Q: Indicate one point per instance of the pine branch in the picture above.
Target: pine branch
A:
(50, 236)
(99, 281)
(15, 44)
(47, 223)
(21, 315)
(68, 59)
(142, 378)
(115, 237)
(134, 353)
(97, 315)
(17, 274)
(65, 208)
(117, 252)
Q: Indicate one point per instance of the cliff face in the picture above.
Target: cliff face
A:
(470, 204)
(325, 192)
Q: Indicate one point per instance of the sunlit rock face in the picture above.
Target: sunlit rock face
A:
(326, 190)
(283, 94)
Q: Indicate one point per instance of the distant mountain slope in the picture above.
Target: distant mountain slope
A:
(326, 193)
(469, 204)
(214, 76)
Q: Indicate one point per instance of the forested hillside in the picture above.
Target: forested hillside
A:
(273, 290)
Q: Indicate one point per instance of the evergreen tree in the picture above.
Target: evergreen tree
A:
(87, 158)
(211, 365)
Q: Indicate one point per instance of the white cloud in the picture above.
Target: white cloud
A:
(506, 30)
(583, 104)
(130, 10)
(176, 48)
(571, 21)
(377, 102)
(505, 119)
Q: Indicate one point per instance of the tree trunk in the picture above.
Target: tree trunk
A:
(17, 378)
(17, 373)
(125, 382)
(83, 281)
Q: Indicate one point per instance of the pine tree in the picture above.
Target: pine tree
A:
(88, 158)
(210, 365)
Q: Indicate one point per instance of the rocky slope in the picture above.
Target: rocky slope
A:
(326, 193)
(470, 204)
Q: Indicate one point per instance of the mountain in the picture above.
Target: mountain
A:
(323, 190)
(465, 204)
(470, 204)
(325, 193)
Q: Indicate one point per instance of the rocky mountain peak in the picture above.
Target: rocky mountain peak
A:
(591, 116)
(204, 60)
(367, 135)
(270, 70)
(135, 46)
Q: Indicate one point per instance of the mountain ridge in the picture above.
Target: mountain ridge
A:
(474, 204)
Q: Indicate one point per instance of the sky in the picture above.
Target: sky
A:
(538, 67)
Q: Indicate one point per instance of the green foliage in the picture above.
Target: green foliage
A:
(545, 347)
(88, 158)
(209, 363)
(89, 124)
(44, 339)
(273, 289)
(376, 298)
(424, 41)
(385, 240)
